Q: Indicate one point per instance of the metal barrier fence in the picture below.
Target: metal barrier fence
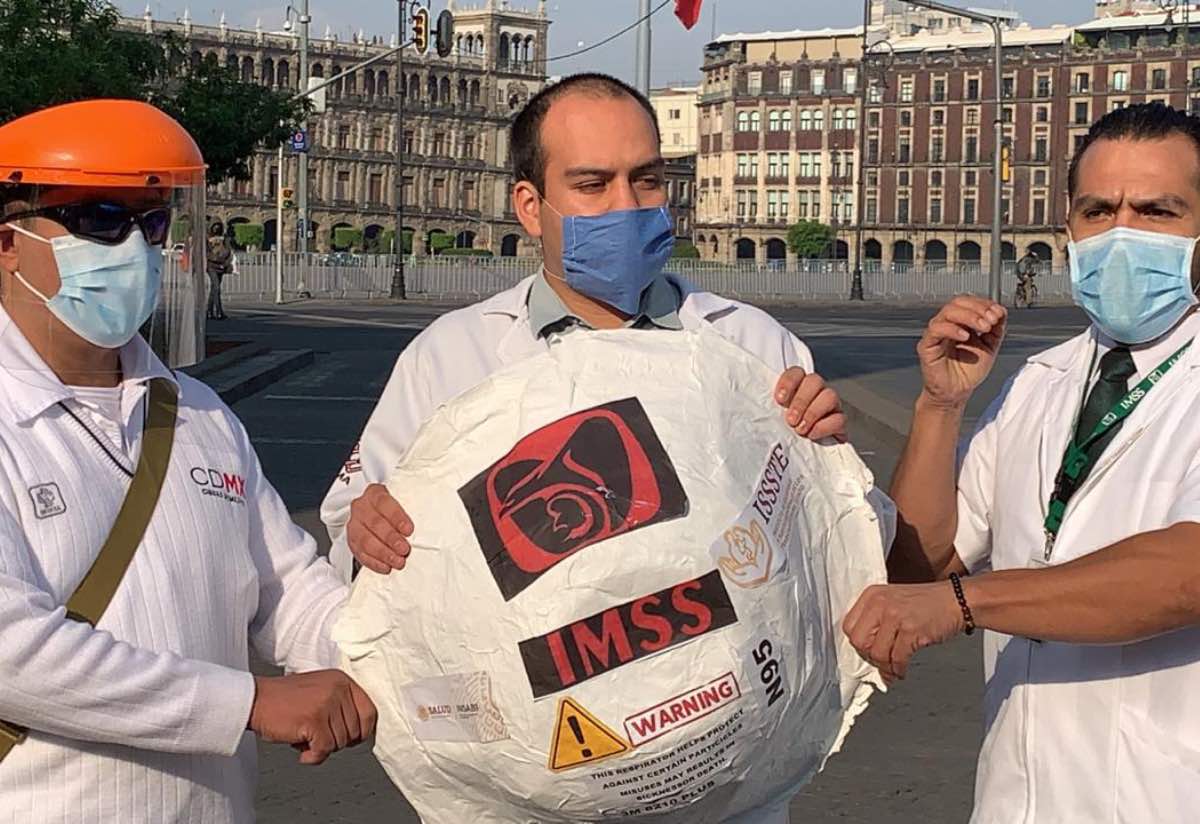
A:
(469, 278)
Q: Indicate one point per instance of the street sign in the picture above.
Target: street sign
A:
(300, 141)
(317, 97)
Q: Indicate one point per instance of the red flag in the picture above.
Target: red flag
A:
(688, 11)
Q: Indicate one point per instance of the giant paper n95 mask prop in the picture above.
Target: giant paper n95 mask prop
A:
(625, 594)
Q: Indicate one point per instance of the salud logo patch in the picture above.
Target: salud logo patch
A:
(47, 500)
(581, 480)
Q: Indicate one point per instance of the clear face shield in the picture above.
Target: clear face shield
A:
(88, 268)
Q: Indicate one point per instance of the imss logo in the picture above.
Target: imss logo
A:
(218, 484)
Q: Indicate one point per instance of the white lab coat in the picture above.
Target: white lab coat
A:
(1085, 733)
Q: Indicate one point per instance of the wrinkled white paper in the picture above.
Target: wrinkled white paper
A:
(650, 569)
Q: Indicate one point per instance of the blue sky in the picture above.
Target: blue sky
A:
(677, 53)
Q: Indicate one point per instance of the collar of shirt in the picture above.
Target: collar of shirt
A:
(1148, 356)
(28, 387)
(548, 314)
(1093, 344)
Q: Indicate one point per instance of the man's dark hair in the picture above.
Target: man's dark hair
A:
(1142, 121)
(528, 155)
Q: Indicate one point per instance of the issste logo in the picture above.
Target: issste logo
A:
(218, 484)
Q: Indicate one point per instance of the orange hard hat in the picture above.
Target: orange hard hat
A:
(99, 143)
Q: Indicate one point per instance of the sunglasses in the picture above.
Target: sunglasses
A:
(107, 223)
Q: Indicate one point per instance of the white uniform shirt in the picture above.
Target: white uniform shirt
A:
(142, 719)
(1085, 733)
(461, 349)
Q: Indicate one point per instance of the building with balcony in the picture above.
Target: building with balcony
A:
(454, 139)
(779, 118)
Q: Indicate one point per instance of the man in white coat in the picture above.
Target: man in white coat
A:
(149, 715)
(1080, 492)
(590, 186)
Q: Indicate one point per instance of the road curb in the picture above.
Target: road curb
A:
(868, 410)
(245, 376)
(224, 360)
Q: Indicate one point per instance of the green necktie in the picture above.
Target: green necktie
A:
(1116, 368)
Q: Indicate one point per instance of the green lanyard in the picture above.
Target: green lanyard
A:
(1076, 458)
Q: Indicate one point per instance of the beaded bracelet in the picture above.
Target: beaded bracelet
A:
(968, 619)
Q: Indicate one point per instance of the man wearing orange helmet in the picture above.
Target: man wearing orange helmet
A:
(142, 552)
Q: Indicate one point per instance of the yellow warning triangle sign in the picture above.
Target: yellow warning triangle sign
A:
(580, 738)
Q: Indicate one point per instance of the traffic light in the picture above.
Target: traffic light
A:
(1006, 162)
(421, 31)
(288, 196)
(445, 33)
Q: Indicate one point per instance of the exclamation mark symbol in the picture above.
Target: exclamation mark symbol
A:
(574, 723)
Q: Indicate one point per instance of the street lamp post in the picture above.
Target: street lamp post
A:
(302, 182)
(856, 284)
(642, 69)
(997, 160)
(399, 289)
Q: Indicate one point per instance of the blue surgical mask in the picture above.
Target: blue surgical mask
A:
(1134, 285)
(615, 256)
(106, 292)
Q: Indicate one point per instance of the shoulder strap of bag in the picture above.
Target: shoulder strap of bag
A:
(96, 591)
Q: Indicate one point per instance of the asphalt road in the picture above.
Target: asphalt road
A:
(910, 757)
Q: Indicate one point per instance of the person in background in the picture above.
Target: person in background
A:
(220, 263)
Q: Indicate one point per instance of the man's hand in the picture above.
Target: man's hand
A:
(379, 530)
(959, 348)
(890, 623)
(318, 713)
(811, 407)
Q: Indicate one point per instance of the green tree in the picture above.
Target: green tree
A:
(810, 239)
(58, 51)
(685, 249)
(347, 238)
(249, 235)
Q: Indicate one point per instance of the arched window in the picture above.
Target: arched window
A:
(369, 83)
(268, 72)
(743, 121)
(755, 121)
(463, 93)
(839, 121)
(381, 84)
(805, 120)
(475, 92)
(786, 120)
(283, 74)
(318, 70)
(431, 89)
(851, 120)
(247, 69)
(444, 91)
(232, 63)
(819, 120)
(504, 49)
(773, 121)
(458, 44)
(414, 87)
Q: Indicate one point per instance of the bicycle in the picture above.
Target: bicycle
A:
(1026, 295)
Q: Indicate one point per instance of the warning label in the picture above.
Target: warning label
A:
(682, 709)
(580, 738)
(673, 779)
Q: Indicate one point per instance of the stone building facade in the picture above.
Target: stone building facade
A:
(777, 144)
(454, 141)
